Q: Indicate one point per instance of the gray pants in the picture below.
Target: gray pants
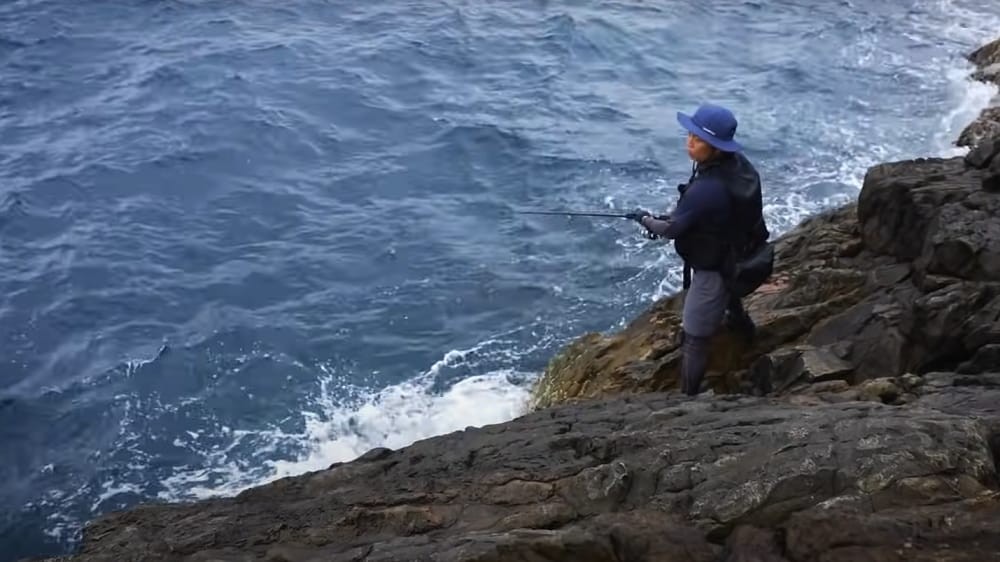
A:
(705, 306)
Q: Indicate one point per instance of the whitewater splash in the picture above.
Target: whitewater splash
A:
(973, 97)
(405, 413)
(338, 429)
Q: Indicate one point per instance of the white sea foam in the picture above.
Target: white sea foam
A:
(971, 97)
(339, 424)
(338, 430)
(401, 414)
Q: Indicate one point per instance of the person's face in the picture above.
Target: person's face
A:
(699, 150)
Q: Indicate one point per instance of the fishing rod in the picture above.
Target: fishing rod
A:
(579, 214)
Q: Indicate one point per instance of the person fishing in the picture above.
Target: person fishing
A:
(717, 225)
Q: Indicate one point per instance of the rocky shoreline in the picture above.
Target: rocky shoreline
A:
(987, 61)
(863, 424)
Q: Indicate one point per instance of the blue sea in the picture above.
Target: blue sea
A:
(241, 240)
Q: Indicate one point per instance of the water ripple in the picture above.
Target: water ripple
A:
(240, 240)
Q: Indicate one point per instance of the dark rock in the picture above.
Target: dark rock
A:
(973, 395)
(986, 54)
(983, 326)
(774, 372)
(964, 241)
(376, 454)
(886, 314)
(899, 201)
(889, 275)
(777, 371)
(953, 531)
(986, 358)
(935, 214)
(991, 182)
(983, 154)
(944, 321)
(644, 478)
(636, 535)
(752, 544)
(985, 127)
(986, 58)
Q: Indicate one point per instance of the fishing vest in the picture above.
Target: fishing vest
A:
(716, 244)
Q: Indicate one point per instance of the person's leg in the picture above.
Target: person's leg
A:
(704, 306)
(694, 363)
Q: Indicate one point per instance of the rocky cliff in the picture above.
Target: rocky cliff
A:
(902, 282)
(905, 282)
(652, 477)
(863, 424)
(987, 61)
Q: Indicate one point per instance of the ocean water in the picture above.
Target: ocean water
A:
(243, 240)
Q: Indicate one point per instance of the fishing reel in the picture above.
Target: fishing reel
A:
(648, 234)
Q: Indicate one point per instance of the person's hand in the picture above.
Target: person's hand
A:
(637, 215)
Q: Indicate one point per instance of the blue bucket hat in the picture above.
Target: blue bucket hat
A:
(713, 124)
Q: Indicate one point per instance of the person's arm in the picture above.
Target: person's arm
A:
(702, 200)
(659, 226)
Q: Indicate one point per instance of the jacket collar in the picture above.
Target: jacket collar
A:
(724, 157)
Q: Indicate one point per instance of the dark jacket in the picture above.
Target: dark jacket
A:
(719, 214)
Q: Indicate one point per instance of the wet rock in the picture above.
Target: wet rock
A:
(987, 61)
(987, 125)
(986, 54)
(984, 152)
(984, 128)
(655, 477)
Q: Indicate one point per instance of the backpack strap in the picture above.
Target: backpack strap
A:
(687, 268)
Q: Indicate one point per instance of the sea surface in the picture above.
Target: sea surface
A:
(241, 240)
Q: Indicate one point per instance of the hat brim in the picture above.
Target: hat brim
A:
(723, 145)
